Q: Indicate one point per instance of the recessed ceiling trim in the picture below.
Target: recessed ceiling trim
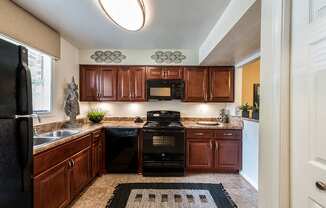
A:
(118, 18)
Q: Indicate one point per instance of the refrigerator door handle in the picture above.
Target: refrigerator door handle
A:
(25, 135)
(24, 84)
(26, 116)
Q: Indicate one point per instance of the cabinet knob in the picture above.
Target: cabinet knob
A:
(321, 185)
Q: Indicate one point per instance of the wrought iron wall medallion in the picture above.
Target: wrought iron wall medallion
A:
(168, 57)
(108, 56)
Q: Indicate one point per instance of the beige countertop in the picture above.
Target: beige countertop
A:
(86, 129)
(237, 125)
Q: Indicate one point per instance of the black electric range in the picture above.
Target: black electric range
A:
(163, 144)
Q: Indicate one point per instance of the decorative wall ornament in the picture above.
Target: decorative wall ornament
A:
(168, 57)
(108, 56)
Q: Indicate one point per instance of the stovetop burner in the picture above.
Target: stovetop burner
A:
(156, 124)
(163, 120)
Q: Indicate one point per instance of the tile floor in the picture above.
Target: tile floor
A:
(100, 191)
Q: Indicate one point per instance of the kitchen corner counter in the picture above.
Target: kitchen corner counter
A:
(86, 129)
(236, 125)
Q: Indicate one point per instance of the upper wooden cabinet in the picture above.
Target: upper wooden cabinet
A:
(214, 84)
(165, 72)
(131, 84)
(98, 83)
(124, 88)
(128, 83)
(195, 84)
(221, 84)
(172, 72)
(89, 84)
(154, 72)
(108, 83)
(138, 83)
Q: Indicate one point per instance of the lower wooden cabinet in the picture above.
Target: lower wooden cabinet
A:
(69, 168)
(200, 154)
(52, 188)
(214, 150)
(228, 154)
(80, 171)
(97, 153)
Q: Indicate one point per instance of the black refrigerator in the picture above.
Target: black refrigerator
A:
(16, 128)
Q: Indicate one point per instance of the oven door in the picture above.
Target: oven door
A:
(163, 141)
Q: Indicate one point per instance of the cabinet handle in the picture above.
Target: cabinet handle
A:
(228, 134)
(73, 163)
(211, 145)
(199, 134)
(321, 185)
(70, 164)
(216, 145)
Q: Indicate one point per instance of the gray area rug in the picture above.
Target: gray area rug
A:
(170, 195)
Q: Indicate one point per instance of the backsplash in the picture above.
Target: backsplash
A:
(127, 109)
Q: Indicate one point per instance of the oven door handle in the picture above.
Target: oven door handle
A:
(163, 131)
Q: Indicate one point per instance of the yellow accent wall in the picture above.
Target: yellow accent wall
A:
(250, 76)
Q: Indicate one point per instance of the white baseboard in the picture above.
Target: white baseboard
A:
(249, 180)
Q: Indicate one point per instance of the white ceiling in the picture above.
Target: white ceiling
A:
(170, 23)
(242, 41)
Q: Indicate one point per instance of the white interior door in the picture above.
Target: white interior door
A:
(308, 103)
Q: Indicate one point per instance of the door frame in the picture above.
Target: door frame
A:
(274, 145)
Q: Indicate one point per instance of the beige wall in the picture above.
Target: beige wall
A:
(63, 71)
(250, 76)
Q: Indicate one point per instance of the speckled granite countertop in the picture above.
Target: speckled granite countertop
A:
(237, 125)
(86, 129)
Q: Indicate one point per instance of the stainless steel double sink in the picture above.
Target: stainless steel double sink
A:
(45, 138)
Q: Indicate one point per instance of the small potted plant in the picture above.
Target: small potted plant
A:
(245, 110)
(255, 111)
(95, 115)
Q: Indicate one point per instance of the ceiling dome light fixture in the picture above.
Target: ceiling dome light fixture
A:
(128, 14)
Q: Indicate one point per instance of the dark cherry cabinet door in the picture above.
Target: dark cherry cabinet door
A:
(196, 84)
(124, 84)
(51, 188)
(95, 159)
(154, 72)
(228, 154)
(131, 84)
(108, 83)
(89, 88)
(97, 153)
(80, 171)
(221, 84)
(172, 72)
(199, 154)
(138, 82)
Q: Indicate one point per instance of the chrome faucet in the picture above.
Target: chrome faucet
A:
(38, 118)
(35, 132)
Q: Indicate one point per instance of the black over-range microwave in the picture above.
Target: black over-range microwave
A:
(165, 89)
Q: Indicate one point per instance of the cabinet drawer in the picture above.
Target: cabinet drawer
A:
(228, 134)
(48, 159)
(97, 135)
(200, 133)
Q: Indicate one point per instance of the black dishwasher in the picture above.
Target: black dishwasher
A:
(121, 150)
